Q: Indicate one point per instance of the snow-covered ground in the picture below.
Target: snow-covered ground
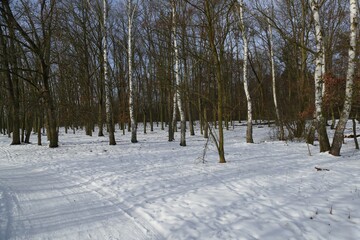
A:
(155, 189)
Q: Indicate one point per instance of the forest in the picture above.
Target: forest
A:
(107, 65)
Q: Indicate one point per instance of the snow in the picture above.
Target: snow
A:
(155, 189)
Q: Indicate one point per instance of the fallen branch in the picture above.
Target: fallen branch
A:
(321, 169)
(351, 136)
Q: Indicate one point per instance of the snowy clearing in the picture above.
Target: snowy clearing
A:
(155, 189)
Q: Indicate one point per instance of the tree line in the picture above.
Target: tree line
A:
(108, 63)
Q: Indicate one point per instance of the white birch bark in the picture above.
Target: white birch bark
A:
(319, 60)
(249, 137)
(131, 12)
(323, 70)
(339, 132)
(177, 97)
(174, 120)
(106, 78)
(318, 77)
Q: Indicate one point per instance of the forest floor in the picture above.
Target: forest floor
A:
(155, 189)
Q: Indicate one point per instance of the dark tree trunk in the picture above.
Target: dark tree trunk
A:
(39, 126)
(323, 137)
(355, 135)
(12, 86)
(29, 125)
(183, 132)
(100, 117)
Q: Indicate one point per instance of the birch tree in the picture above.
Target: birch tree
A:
(273, 77)
(177, 97)
(131, 12)
(108, 89)
(319, 78)
(340, 127)
(249, 134)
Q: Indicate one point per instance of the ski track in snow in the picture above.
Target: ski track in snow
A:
(41, 203)
(86, 189)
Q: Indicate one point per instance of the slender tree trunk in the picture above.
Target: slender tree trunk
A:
(102, 97)
(278, 117)
(190, 116)
(50, 111)
(339, 131)
(161, 109)
(2, 119)
(323, 69)
(200, 107)
(249, 135)
(133, 124)
(39, 126)
(108, 109)
(205, 124)
(48, 98)
(319, 118)
(29, 124)
(8, 123)
(100, 112)
(188, 98)
(217, 58)
(355, 134)
(151, 120)
(177, 80)
(174, 114)
(87, 79)
(171, 118)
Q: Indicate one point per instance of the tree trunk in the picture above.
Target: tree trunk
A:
(174, 114)
(205, 124)
(318, 76)
(29, 125)
(39, 126)
(101, 110)
(249, 135)
(177, 80)
(188, 98)
(355, 134)
(133, 124)
(278, 117)
(217, 59)
(2, 120)
(51, 116)
(339, 131)
(171, 117)
(108, 109)
(151, 120)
